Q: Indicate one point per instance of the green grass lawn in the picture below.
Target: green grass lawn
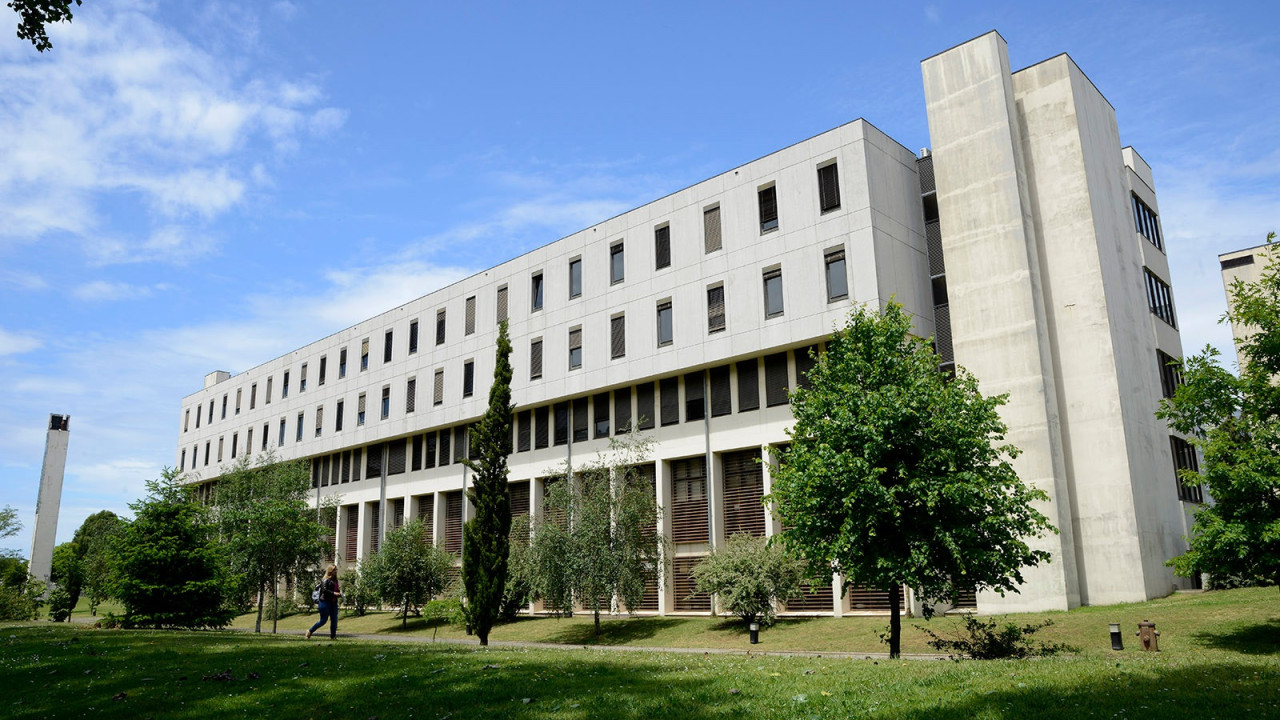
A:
(1221, 659)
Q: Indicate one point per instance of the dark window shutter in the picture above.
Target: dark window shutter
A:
(502, 304)
(413, 346)
(580, 419)
(689, 500)
(721, 396)
(540, 428)
(669, 396)
(386, 347)
(775, 379)
(416, 458)
(411, 395)
(437, 392)
(561, 411)
(395, 457)
(805, 363)
(353, 534)
(427, 514)
(748, 385)
(618, 336)
(373, 461)
(695, 395)
(829, 187)
(743, 489)
(600, 414)
(662, 247)
(711, 229)
(519, 492)
(440, 323)
(453, 521)
(644, 406)
(768, 208)
(431, 450)
(459, 443)
(622, 410)
(468, 378)
(535, 359)
(524, 433)
(444, 447)
(469, 318)
(715, 308)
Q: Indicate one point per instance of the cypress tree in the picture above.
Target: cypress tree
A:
(486, 544)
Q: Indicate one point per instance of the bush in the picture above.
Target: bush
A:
(357, 596)
(60, 603)
(111, 621)
(749, 575)
(21, 600)
(281, 608)
(989, 640)
(521, 572)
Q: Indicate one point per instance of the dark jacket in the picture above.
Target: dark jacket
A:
(328, 590)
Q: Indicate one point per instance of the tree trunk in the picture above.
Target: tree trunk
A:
(895, 621)
(275, 603)
(257, 625)
(597, 619)
(404, 623)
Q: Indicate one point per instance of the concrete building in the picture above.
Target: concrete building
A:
(1028, 241)
(45, 529)
(1246, 266)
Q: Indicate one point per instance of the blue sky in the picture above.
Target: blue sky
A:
(200, 185)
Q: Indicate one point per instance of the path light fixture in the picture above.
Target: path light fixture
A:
(1117, 643)
(755, 633)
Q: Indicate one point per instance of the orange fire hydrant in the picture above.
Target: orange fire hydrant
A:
(1149, 636)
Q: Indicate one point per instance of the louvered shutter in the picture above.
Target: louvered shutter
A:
(618, 337)
(411, 395)
(689, 501)
(561, 411)
(319, 421)
(502, 305)
(621, 410)
(375, 532)
(580, 419)
(812, 599)
(459, 443)
(715, 308)
(805, 363)
(721, 396)
(437, 392)
(829, 187)
(662, 247)
(331, 537)
(682, 582)
(600, 414)
(645, 416)
(440, 317)
(775, 379)
(524, 419)
(429, 450)
(386, 347)
(540, 428)
(519, 492)
(743, 489)
(397, 513)
(535, 359)
(346, 466)
(748, 385)
(768, 208)
(360, 406)
(352, 539)
(427, 514)
(695, 407)
(453, 521)
(416, 458)
(470, 319)
(711, 229)
(395, 457)
(373, 461)
(866, 599)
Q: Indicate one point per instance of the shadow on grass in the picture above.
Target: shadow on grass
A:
(1257, 639)
(624, 631)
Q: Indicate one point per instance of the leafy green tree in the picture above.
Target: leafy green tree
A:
(521, 571)
(749, 575)
(895, 475)
(67, 572)
(21, 595)
(357, 591)
(1235, 423)
(168, 565)
(595, 539)
(408, 570)
(268, 527)
(93, 541)
(34, 15)
(485, 537)
(9, 524)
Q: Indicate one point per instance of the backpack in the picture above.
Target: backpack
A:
(315, 594)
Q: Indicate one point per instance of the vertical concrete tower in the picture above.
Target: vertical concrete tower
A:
(50, 498)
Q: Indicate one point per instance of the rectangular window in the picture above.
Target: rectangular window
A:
(580, 421)
(364, 354)
(501, 316)
(360, 410)
(1184, 458)
(773, 293)
(266, 430)
(208, 446)
(302, 378)
(645, 416)
(695, 396)
(342, 363)
(575, 278)
(1147, 223)
(248, 441)
(662, 247)
(837, 278)
(373, 463)
(220, 440)
(410, 395)
(469, 317)
(535, 294)
(337, 416)
(1170, 376)
(535, 359)
(413, 336)
(768, 198)
(805, 360)
(324, 362)
(280, 443)
(211, 411)
(284, 386)
(622, 410)
(468, 378)
(715, 308)
(253, 396)
(575, 348)
(600, 414)
(665, 331)
(267, 401)
(386, 347)
(561, 411)
(669, 400)
(711, 229)
(1159, 298)
(617, 265)
(437, 392)
(182, 464)
(617, 337)
(224, 407)
(540, 425)
(239, 394)
(198, 413)
(440, 316)
(524, 431)
(319, 421)
(298, 434)
(721, 396)
(386, 402)
(431, 450)
(776, 382)
(186, 420)
(444, 446)
(828, 187)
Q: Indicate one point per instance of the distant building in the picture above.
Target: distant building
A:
(1028, 242)
(1246, 266)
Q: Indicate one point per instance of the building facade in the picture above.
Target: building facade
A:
(1246, 266)
(1027, 242)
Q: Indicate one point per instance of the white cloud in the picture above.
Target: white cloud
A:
(105, 291)
(128, 110)
(17, 343)
(22, 280)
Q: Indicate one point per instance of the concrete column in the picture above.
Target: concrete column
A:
(364, 532)
(45, 529)
(662, 482)
(438, 525)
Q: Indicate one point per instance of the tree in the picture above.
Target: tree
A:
(34, 15)
(522, 573)
(408, 570)
(1235, 422)
(894, 476)
(168, 565)
(748, 575)
(93, 541)
(270, 531)
(9, 524)
(596, 539)
(485, 545)
(67, 572)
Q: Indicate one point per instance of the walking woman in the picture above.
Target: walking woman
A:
(329, 594)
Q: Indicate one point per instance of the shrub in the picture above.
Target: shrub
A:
(280, 608)
(111, 621)
(990, 640)
(60, 603)
(749, 575)
(357, 595)
(21, 601)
